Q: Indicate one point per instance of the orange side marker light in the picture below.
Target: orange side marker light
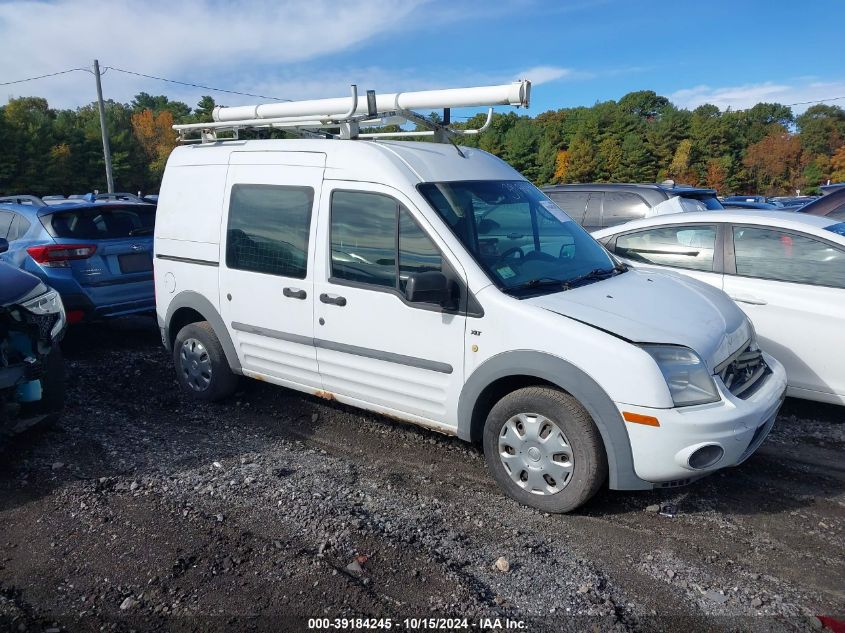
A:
(640, 419)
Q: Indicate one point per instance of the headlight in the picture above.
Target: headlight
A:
(48, 303)
(686, 375)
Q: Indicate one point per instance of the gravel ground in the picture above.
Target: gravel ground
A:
(142, 510)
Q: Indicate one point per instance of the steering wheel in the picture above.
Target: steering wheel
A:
(511, 251)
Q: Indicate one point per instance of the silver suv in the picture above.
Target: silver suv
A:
(599, 205)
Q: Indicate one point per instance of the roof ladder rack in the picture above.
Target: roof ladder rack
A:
(314, 118)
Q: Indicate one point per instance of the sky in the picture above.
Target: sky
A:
(576, 52)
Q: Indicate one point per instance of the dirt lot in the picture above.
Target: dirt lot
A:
(141, 510)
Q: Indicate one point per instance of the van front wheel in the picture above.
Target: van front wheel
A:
(201, 365)
(544, 450)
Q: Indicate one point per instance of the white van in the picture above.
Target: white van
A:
(440, 287)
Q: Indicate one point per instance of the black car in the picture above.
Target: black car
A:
(599, 205)
(32, 322)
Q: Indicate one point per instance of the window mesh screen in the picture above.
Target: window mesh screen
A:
(268, 229)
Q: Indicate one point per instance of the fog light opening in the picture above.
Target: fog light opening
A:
(705, 456)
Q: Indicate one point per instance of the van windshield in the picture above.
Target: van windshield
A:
(520, 237)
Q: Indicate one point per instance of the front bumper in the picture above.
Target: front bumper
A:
(662, 453)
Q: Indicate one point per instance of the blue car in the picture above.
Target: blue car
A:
(97, 255)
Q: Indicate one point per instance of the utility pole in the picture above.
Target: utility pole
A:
(104, 128)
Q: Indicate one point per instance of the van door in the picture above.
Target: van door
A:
(375, 349)
(266, 263)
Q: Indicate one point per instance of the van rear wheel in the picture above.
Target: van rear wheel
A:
(543, 449)
(201, 365)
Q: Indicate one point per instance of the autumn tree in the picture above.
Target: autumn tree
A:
(837, 165)
(717, 173)
(561, 166)
(775, 162)
(155, 134)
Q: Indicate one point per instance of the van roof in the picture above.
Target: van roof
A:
(365, 160)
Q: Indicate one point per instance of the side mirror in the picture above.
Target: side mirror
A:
(4, 245)
(428, 287)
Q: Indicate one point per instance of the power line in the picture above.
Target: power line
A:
(61, 72)
(817, 101)
(250, 94)
(185, 83)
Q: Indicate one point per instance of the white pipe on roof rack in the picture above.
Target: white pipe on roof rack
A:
(514, 94)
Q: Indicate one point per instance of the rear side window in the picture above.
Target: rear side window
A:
(592, 217)
(620, 207)
(573, 202)
(690, 247)
(101, 222)
(20, 225)
(780, 256)
(5, 222)
(268, 229)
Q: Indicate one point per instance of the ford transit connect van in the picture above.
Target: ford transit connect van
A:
(440, 287)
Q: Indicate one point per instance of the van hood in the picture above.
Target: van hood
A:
(657, 307)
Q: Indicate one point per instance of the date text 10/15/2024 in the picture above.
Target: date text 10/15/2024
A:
(415, 624)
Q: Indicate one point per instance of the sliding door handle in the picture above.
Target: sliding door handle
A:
(335, 300)
(295, 293)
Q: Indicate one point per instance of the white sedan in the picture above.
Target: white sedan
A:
(785, 270)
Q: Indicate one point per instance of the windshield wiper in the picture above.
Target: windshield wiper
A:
(144, 230)
(539, 282)
(566, 284)
(596, 273)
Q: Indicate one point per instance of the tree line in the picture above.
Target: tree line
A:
(642, 137)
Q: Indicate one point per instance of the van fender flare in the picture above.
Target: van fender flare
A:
(195, 301)
(574, 381)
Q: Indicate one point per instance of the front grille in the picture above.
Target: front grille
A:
(43, 322)
(744, 371)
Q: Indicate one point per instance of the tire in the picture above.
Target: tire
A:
(557, 470)
(201, 366)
